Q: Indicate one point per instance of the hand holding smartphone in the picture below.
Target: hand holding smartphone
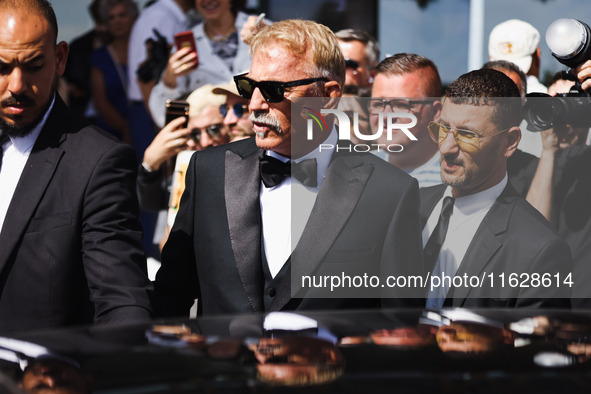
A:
(175, 109)
(186, 39)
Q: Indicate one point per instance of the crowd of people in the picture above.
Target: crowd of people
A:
(464, 194)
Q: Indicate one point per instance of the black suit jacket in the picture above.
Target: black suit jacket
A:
(365, 220)
(512, 238)
(70, 247)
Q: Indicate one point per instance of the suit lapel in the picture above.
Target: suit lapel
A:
(486, 242)
(242, 184)
(342, 188)
(40, 167)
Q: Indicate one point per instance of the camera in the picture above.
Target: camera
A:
(157, 59)
(570, 43)
(542, 111)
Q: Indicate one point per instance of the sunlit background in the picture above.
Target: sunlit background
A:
(438, 29)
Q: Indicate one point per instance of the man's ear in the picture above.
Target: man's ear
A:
(437, 106)
(513, 138)
(333, 91)
(61, 56)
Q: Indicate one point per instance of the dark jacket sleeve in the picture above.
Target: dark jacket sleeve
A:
(112, 252)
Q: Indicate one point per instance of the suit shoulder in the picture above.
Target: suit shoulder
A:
(530, 226)
(93, 140)
(242, 147)
(67, 127)
(381, 166)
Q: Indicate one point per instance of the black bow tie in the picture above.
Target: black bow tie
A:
(274, 171)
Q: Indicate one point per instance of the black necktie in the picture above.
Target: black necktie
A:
(274, 171)
(3, 139)
(433, 246)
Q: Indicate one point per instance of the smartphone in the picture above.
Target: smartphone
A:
(186, 39)
(175, 109)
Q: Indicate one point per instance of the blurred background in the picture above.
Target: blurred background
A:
(453, 33)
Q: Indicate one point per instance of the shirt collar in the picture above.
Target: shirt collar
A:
(25, 144)
(473, 203)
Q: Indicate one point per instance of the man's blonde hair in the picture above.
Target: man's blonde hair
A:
(299, 37)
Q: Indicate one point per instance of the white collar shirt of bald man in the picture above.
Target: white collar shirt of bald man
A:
(284, 223)
(468, 213)
(14, 160)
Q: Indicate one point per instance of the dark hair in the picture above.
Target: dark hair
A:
(41, 7)
(106, 6)
(488, 87)
(95, 14)
(406, 63)
(237, 5)
(501, 65)
(372, 49)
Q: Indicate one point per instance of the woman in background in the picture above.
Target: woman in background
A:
(109, 68)
(222, 52)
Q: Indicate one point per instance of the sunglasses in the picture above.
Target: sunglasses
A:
(239, 109)
(272, 91)
(350, 63)
(467, 140)
(214, 131)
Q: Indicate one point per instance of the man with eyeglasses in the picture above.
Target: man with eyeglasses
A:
(409, 83)
(235, 112)
(362, 54)
(249, 227)
(476, 224)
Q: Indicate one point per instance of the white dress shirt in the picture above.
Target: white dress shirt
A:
(467, 215)
(284, 223)
(16, 154)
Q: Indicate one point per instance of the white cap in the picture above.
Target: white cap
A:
(204, 97)
(226, 88)
(514, 41)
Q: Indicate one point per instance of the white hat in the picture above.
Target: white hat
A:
(514, 41)
(225, 88)
(204, 97)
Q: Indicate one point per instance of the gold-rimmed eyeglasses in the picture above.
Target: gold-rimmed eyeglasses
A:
(467, 140)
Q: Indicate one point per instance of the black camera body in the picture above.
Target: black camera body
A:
(542, 111)
(158, 51)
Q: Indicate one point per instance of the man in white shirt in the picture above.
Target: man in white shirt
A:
(245, 236)
(70, 238)
(475, 224)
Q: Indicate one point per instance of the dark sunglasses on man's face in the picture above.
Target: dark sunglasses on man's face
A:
(214, 131)
(239, 109)
(272, 91)
(352, 64)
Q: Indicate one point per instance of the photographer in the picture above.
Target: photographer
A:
(556, 143)
(561, 188)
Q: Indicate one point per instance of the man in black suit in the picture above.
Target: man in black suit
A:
(239, 245)
(492, 231)
(70, 240)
